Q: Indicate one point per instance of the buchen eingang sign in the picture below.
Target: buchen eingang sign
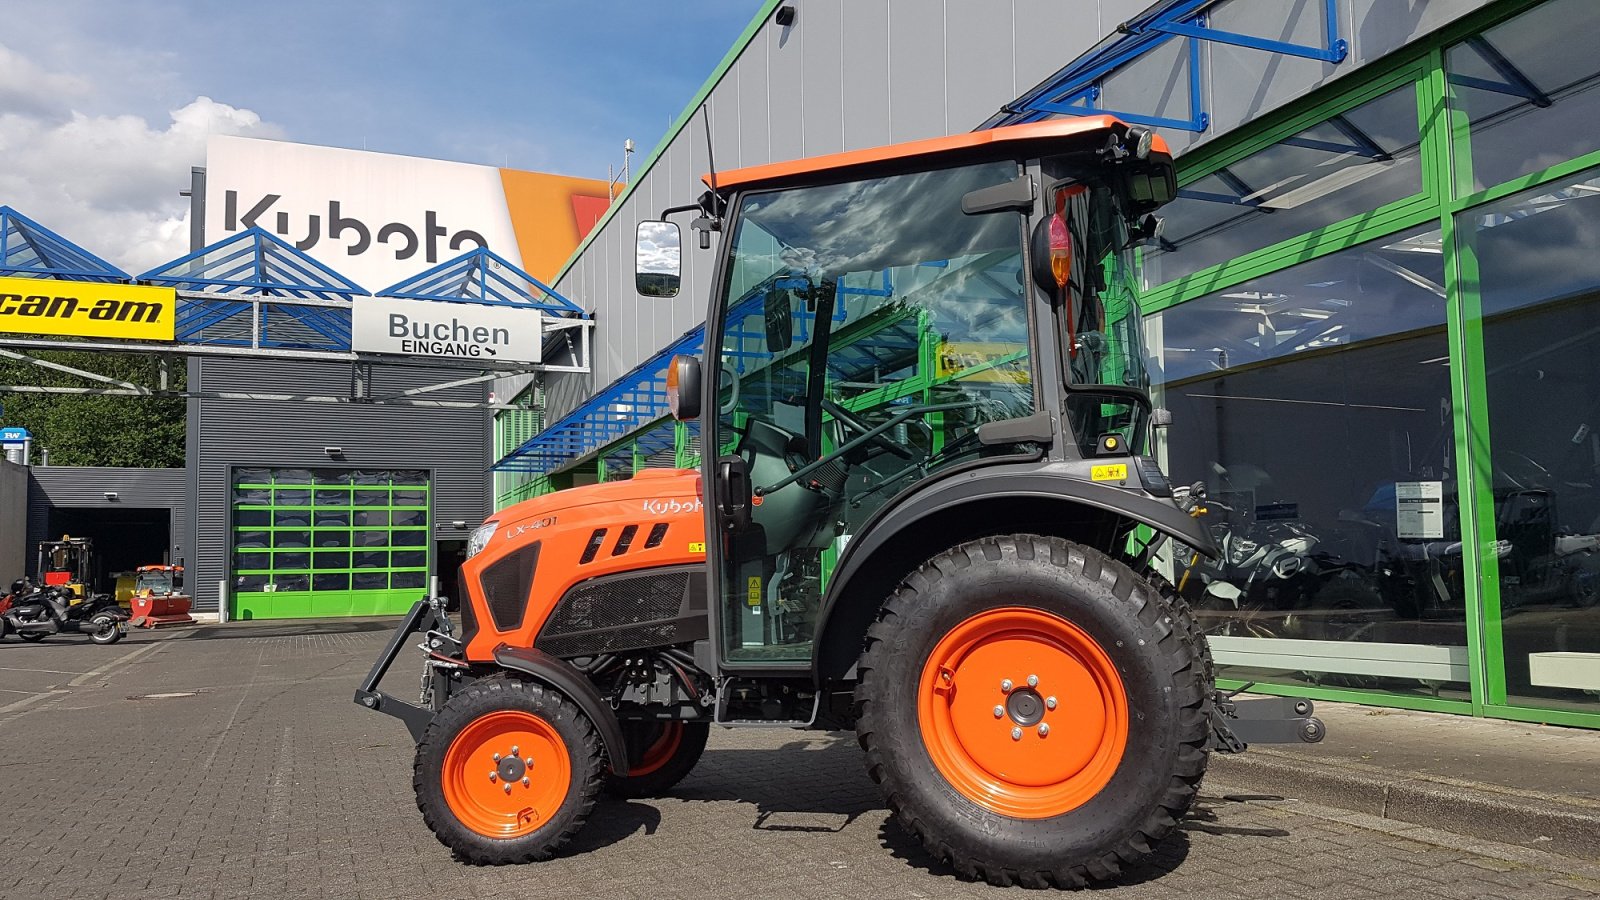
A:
(432, 330)
(86, 309)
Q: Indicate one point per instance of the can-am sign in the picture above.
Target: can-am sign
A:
(426, 330)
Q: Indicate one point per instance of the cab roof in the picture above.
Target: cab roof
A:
(956, 145)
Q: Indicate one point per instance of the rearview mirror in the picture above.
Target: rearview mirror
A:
(779, 320)
(658, 264)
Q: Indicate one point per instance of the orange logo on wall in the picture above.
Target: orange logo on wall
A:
(551, 215)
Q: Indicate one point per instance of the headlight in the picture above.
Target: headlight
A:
(480, 538)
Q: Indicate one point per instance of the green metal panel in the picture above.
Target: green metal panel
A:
(406, 502)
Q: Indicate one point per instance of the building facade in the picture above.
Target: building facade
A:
(1371, 311)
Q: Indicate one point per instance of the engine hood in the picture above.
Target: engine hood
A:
(659, 490)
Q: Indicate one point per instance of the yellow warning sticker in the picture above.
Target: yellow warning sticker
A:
(1112, 472)
(697, 547)
(753, 597)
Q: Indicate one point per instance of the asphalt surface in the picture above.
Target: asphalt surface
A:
(230, 762)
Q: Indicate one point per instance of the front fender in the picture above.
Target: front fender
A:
(921, 518)
(560, 674)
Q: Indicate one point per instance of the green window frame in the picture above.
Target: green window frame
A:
(1446, 166)
(303, 544)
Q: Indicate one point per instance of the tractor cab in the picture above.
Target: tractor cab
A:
(887, 320)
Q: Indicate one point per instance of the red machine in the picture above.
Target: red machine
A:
(158, 598)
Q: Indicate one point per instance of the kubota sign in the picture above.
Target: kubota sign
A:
(377, 218)
(86, 309)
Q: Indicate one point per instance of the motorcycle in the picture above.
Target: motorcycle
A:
(1274, 578)
(36, 613)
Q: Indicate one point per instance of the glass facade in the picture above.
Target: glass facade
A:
(1376, 315)
(328, 542)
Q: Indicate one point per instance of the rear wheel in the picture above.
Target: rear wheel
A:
(507, 771)
(660, 754)
(1035, 712)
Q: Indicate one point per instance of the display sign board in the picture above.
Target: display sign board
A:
(423, 329)
(1419, 510)
(378, 218)
(14, 436)
(87, 309)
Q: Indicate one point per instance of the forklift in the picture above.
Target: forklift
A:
(67, 564)
(926, 511)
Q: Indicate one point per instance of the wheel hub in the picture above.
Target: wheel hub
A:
(489, 773)
(1025, 707)
(1023, 712)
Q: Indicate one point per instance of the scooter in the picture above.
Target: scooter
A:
(42, 612)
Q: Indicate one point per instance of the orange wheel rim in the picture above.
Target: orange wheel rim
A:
(506, 774)
(1023, 713)
(661, 750)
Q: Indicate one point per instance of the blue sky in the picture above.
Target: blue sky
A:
(101, 116)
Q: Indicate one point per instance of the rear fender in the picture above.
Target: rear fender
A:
(561, 675)
(1039, 500)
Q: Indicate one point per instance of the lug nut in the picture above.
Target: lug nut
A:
(496, 757)
(508, 788)
(999, 711)
(1016, 734)
(494, 776)
(528, 762)
(524, 782)
(1005, 686)
(1044, 729)
(1049, 703)
(1033, 681)
(514, 750)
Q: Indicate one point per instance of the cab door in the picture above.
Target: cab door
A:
(867, 328)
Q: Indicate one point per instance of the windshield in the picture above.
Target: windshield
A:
(155, 582)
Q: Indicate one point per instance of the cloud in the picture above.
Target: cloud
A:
(109, 183)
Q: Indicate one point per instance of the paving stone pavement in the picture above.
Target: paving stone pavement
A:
(257, 777)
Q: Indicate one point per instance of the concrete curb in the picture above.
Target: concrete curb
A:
(1482, 811)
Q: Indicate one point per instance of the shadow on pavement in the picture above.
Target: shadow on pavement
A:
(611, 822)
(234, 630)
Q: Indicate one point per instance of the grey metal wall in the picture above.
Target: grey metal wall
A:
(850, 74)
(13, 522)
(223, 434)
(846, 75)
(85, 487)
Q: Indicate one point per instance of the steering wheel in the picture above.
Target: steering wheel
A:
(854, 423)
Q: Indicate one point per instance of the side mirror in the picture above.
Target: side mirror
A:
(658, 261)
(683, 387)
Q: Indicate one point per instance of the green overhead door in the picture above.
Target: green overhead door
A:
(328, 542)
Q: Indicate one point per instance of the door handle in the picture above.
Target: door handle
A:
(733, 493)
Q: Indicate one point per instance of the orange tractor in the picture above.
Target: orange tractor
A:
(156, 597)
(952, 552)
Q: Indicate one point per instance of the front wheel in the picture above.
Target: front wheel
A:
(1033, 710)
(507, 772)
(104, 630)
